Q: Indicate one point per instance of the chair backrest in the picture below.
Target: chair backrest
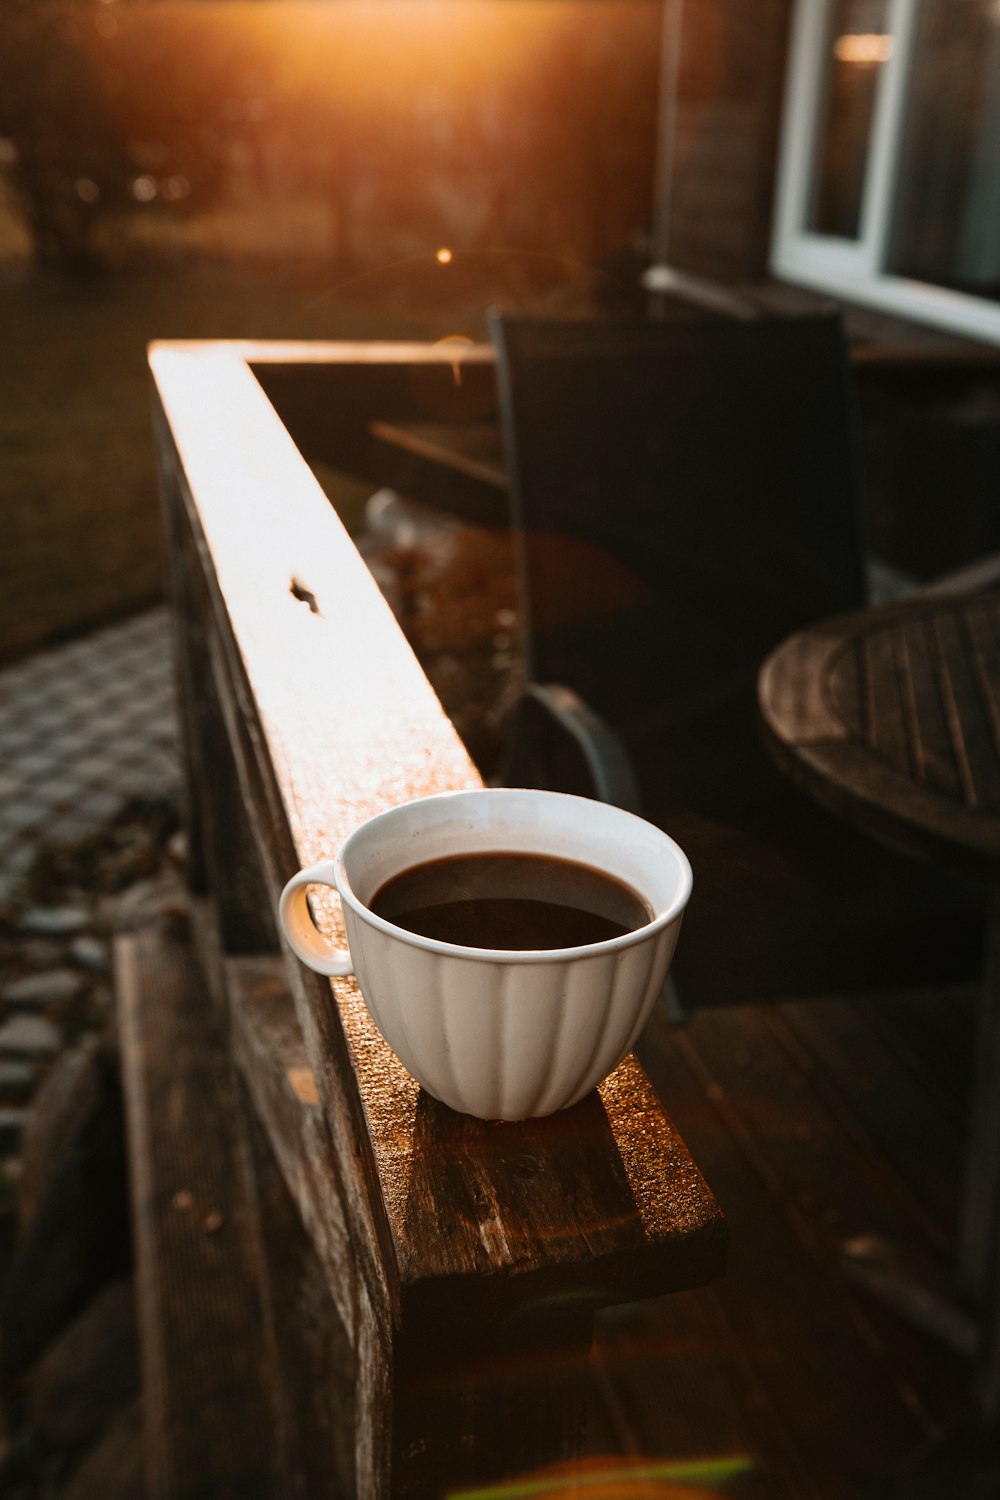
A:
(684, 495)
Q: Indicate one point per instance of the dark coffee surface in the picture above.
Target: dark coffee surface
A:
(521, 902)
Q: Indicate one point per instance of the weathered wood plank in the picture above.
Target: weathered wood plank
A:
(271, 1056)
(523, 1169)
(343, 733)
(933, 753)
(784, 1301)
(846, 1049)
(960, 700)
(452, 1247)
(885, 720)
(842, 689)
(683, 1390)
(207, 1397)
(312, 1362)
(869, 777)
(837, 1186)
(269, 1051)
(793, 695)
(260, 785)
(182, 616)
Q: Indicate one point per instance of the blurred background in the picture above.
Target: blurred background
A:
(391, 168)
(297, 171)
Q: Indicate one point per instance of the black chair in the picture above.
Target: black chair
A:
(684, 495)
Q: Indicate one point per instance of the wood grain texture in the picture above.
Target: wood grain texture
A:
(268, 1048)
(436, 1234)
(920, 767)
(793, 1123)
(336, 722)
(890, 717)
(310, 1354)
(207, 1394)
(495, 1363)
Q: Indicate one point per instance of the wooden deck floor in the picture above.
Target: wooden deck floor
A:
(814, 1123)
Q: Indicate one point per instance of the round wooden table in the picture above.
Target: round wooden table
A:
(890, 717)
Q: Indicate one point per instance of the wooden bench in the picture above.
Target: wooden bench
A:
(455, 1264)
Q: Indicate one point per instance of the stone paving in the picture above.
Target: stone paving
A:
(86, 729)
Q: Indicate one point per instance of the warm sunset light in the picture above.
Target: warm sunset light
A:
(352, 132)
(863, 47)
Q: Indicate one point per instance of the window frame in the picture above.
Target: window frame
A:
(854, 269)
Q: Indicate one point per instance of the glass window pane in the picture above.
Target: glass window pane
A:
(946, 219)
(857, 47)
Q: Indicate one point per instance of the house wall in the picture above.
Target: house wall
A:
(730, 88)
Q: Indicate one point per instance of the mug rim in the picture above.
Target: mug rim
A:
(625, 940)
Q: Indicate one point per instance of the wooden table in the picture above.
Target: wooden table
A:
(462, 1260)
(463, 462)
(891, 718)
(426, 424)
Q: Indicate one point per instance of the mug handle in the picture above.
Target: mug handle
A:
(304, 938)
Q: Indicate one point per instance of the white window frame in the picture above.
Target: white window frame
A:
(853, 269)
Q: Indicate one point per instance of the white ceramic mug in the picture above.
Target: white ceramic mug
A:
(499, 1033)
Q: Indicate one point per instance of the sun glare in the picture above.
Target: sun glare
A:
(347, 134)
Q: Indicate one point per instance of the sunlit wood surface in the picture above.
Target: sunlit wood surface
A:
(443, 1238)
(819, 1124)
(816, 1124)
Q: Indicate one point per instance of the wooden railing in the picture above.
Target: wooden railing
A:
(424, 1283)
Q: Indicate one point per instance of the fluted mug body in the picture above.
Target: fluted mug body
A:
(495, 1032)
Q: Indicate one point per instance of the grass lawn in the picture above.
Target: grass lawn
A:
(78, 497)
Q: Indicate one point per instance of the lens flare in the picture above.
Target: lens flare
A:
(619, 1479)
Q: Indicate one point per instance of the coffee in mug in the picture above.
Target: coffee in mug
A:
(509, 944)
(511, 900)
